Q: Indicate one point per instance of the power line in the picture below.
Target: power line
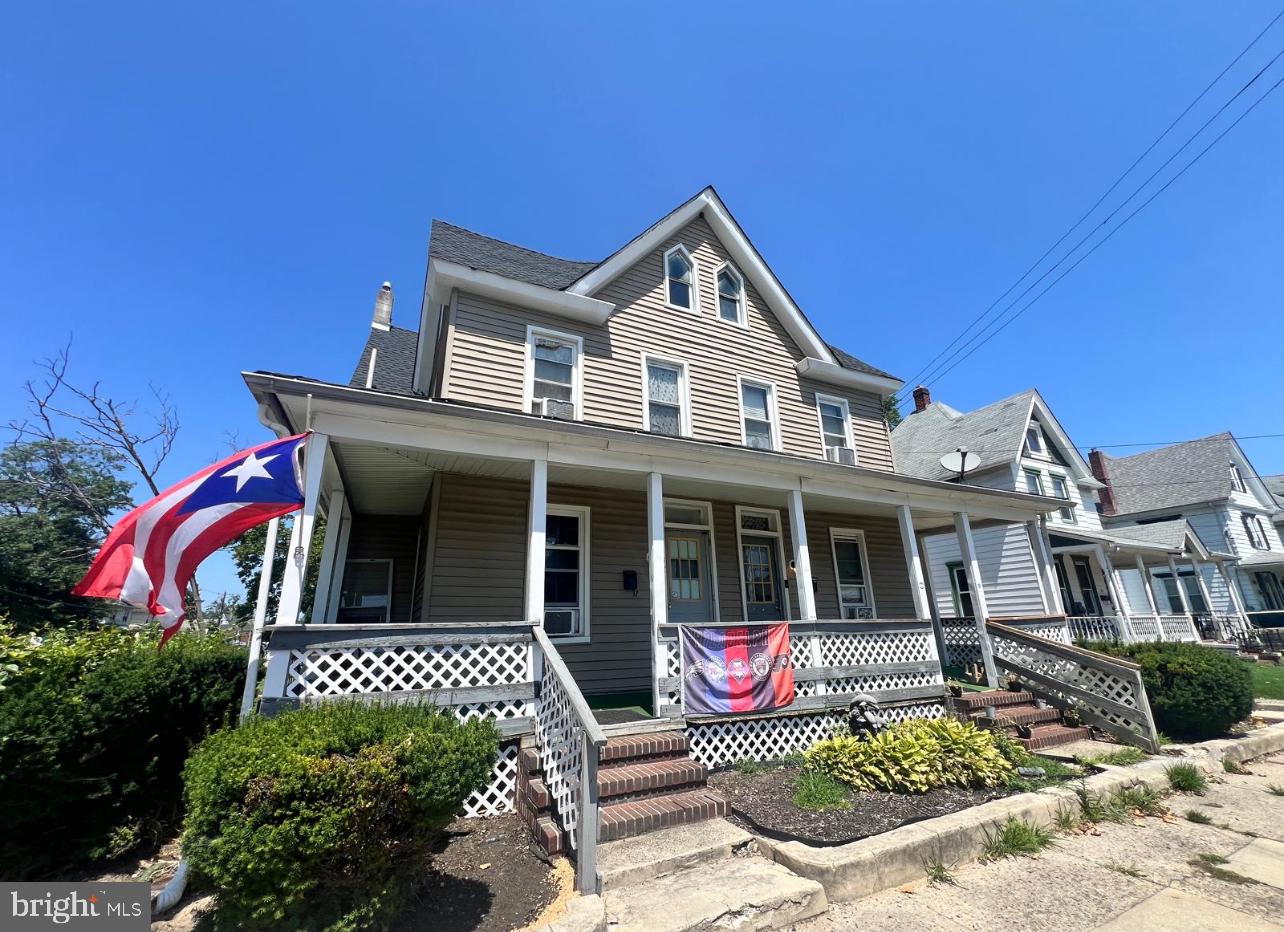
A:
(1158, 139)
(992, 334)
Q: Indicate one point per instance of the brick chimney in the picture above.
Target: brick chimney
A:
(1097, 461)
(922, 398)
(383, 308)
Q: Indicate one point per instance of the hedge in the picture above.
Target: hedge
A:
(322, 817)
(94, 730)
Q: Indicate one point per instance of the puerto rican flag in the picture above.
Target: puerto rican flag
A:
(742, 669)
(152, 553)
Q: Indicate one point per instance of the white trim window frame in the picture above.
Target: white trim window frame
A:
(1067, 513)
(706, 524)
(1257, 538)
(772, 419)
(1039, 447)
(844, 407)
(782, 571)
(570, 341)
(580, 632)
(856, 536)
(741, 299)
(683, 393)
(1237, 478)
(691, 282)
(1033, 480)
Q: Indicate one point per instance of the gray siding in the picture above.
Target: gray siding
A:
(486, 352)
(1008, 570)
(388, 537)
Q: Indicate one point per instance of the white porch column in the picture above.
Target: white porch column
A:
(1207, 596)
(938, 629)
(536, 528)
(278, 662)
(1237, 600)
(1146, 583)
(1115, 588)
(335, 596)
(296, 565)
(334, 516)
(802, 558)
(260, 616)
(1042, 550)
(1181, 590)
(657, 583)
(914, 565)
(972, 566)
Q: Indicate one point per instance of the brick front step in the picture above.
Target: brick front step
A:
(637, 816)
(1051, 736)
(644, 747)
(976, 702)
(649, 777)
(1017, 715)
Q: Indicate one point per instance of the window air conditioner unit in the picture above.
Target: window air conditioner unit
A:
(844, 456)
(562, 620)
(553, 407)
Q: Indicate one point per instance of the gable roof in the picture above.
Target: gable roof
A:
(394, 359)
(1174, 534)
(1180, 474)
(455, 244)
(1275, 485)
(995, 433)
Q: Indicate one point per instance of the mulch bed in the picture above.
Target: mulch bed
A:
(764, 803)
(484, 877)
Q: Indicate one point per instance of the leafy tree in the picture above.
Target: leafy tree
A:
(891, 411)
(55, 496)
(247, 554)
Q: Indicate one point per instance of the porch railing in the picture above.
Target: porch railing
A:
(569, 740)
(963, 643)
(1134, 628)
(1106, 691)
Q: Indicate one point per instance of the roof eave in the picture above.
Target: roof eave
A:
(848, 378)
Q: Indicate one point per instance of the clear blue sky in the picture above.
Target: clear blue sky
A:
(194, 190)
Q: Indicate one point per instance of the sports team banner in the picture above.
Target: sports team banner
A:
(741, 669)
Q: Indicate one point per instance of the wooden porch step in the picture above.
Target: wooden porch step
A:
(1017, 715)
(660, 744)
(628, 818)
(649, 777)
(1051, 736)
(976, 702)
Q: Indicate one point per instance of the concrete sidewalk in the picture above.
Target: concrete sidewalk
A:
(1131, 876)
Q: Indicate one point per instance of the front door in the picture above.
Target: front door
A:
(690, 595)
(1087, 586)
(763, 600)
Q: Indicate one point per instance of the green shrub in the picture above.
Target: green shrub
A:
(1195, 692)
(94, 729)
(322, 817)
(913, 757)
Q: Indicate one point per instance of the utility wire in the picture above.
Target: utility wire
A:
(1112, 232)
(1150, 148)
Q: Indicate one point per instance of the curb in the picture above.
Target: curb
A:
(868, 866)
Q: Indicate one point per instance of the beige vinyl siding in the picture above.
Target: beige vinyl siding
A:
(389, 537)
(487, 354)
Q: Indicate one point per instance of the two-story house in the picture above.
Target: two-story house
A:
(1211, 485)
(1109, 581)
(526, 494)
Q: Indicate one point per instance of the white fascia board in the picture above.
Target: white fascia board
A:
(1084, 477)
(443, 276)
(744, 256)
(834, 374)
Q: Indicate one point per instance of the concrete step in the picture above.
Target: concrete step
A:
(1050, 736)
(976, 702)
(631, 817)
(641, 747)
(741, 893)
(1018, 715)
(649, 777)
(637, 860)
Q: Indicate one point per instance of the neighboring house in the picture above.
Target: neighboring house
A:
(567, 459)
(1210, 485)
(1110, 581)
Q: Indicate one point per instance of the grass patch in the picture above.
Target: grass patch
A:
(1198, 817)
(1128, 870)
(1096, 807)
(938, 873)
(1268, 681)
(1054, 771)
(1014, 838)
(1124, 757)
(747, 766)
(1235, 767)
(1187, 778)
(1140, 798)
(1275, 789)
(819, 792)
(1067, 819)
(1211, 864)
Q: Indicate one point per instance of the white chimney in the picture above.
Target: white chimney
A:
(383, 308)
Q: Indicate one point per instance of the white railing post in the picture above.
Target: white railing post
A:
(274, 682)
(657, 582)
(260, 617)
(330, 573)
(938, 629)
(913, 565)
(802, 557)
(536, 529)
(586, 856)
(981, 611)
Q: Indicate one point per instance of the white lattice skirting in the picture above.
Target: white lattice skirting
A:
(498, 797)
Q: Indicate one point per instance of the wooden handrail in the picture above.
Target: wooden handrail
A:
(1056, 648)
(578, 704)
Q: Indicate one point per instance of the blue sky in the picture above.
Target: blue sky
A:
(194, 190)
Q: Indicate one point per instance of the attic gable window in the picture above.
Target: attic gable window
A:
(679, 279)
(1237, 478)
(731, 296)
(1034, 445)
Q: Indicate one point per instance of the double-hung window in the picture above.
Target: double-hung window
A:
(855, 600)
(1062, 490)
(1033, 481)
(731, 295)
(1034, 441)
(835, 424)
(758, 414)
(680, 279)
(1256, 531)
(554, 373)
(1237, 478)
(667, 409)
(566, 572)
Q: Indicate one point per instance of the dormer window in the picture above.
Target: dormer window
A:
(1034, 445)
(679, 279)
(731, 296)
(1237, 478)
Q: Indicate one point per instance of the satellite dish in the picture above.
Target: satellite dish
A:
(960, 461)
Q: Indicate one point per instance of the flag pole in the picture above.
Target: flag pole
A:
(260, 616)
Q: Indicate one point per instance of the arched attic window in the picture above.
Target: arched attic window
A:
(731, 295)
(680, 279)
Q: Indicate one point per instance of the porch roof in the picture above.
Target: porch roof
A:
(1166, 538)
(392, 420)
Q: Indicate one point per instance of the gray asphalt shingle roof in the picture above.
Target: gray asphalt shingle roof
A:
(995, 433)
(1275, 485)
(1181, 474)
(394, 361)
